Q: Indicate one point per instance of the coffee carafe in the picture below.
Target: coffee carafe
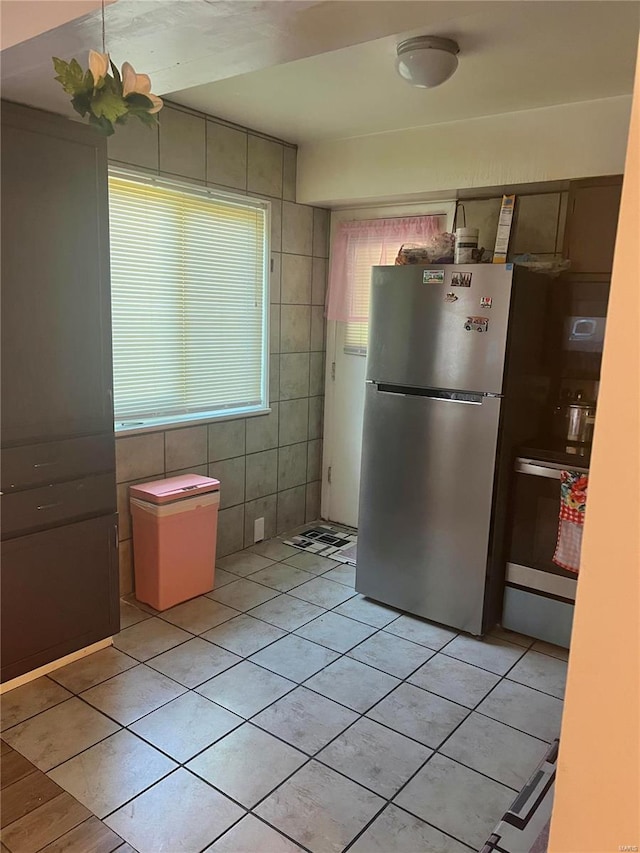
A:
(574, 418)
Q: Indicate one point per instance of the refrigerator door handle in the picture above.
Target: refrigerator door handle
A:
(382, 390)
(466, 397)
(453, 400)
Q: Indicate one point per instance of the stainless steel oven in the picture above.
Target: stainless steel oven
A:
(539, 596)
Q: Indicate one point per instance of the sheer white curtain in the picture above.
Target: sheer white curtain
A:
(359, 245)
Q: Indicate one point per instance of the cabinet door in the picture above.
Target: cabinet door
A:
(58, 593)
(56, 338)
(592, 222)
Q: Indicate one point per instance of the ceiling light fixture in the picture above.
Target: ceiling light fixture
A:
(427, 61)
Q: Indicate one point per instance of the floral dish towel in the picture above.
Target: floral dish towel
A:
(573, 501)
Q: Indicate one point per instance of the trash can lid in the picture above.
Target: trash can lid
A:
(174, 488)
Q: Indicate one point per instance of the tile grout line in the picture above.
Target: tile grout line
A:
(195, 689)
(289, 633)
(295, 685)
(309, 759)
(362, 714)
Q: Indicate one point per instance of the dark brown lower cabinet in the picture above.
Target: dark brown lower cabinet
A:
(59, 593)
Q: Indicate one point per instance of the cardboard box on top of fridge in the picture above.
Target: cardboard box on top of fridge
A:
(504, 229)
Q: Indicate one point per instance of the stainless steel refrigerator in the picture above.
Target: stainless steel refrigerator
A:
(442, 410)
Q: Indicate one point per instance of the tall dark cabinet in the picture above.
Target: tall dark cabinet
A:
(59, 571)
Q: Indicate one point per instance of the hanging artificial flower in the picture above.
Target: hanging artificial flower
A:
(108, 99)
(140, 84)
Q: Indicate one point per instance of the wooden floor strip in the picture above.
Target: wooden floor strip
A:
(14, 767)
(37, 815)
(28, 794)
(45, 824)
(91, 835)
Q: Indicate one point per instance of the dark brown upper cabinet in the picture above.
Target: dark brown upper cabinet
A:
(592, 222)
(56, 332)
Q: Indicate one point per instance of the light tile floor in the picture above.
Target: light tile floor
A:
(284, 712)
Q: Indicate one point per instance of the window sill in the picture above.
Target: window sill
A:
(194, 420)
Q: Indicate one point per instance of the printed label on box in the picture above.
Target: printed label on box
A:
(504, 229)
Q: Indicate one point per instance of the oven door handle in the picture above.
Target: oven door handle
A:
(546, 469)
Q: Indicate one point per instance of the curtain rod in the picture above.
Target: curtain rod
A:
(438, 201)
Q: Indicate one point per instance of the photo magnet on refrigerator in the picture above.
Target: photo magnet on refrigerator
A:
(461, 279)
(477, 324)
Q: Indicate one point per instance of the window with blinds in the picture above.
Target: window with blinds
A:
(358, 246)
(364, 255)
(190, 300)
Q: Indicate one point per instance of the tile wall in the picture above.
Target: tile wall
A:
(538, 222)
(270, 465)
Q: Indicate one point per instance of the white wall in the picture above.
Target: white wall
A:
(554, 143)
(344, 394)
(597, 799)
(25, 19)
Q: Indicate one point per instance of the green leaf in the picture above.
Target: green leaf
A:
(60, 65)
(140, 101)
(145, 118)
(76, 69)
(71, 76)
(116, 75)
(102, 125)
(108, 103)
(81, 103)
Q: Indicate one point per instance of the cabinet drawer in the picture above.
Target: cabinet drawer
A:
(35, 509)
(59, 593)
(56, 461)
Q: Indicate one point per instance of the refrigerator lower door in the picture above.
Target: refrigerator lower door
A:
(425, 503)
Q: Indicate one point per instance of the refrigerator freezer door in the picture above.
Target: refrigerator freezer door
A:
(442, 334)
(425, 504)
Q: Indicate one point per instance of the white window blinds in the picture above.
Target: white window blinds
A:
(359, 245)
(366, 254)
(189, 285)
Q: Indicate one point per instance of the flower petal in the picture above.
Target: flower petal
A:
(128, 79)
(99, 64)
(157, 103)
(143, 84)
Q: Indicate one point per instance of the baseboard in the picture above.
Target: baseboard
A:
(55, 664)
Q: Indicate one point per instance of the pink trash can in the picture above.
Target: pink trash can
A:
(175, 524)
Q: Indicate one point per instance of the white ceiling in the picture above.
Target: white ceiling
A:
(307, 70)
(187, 43)
(513, 56)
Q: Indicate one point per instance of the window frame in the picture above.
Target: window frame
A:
(135, 426)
